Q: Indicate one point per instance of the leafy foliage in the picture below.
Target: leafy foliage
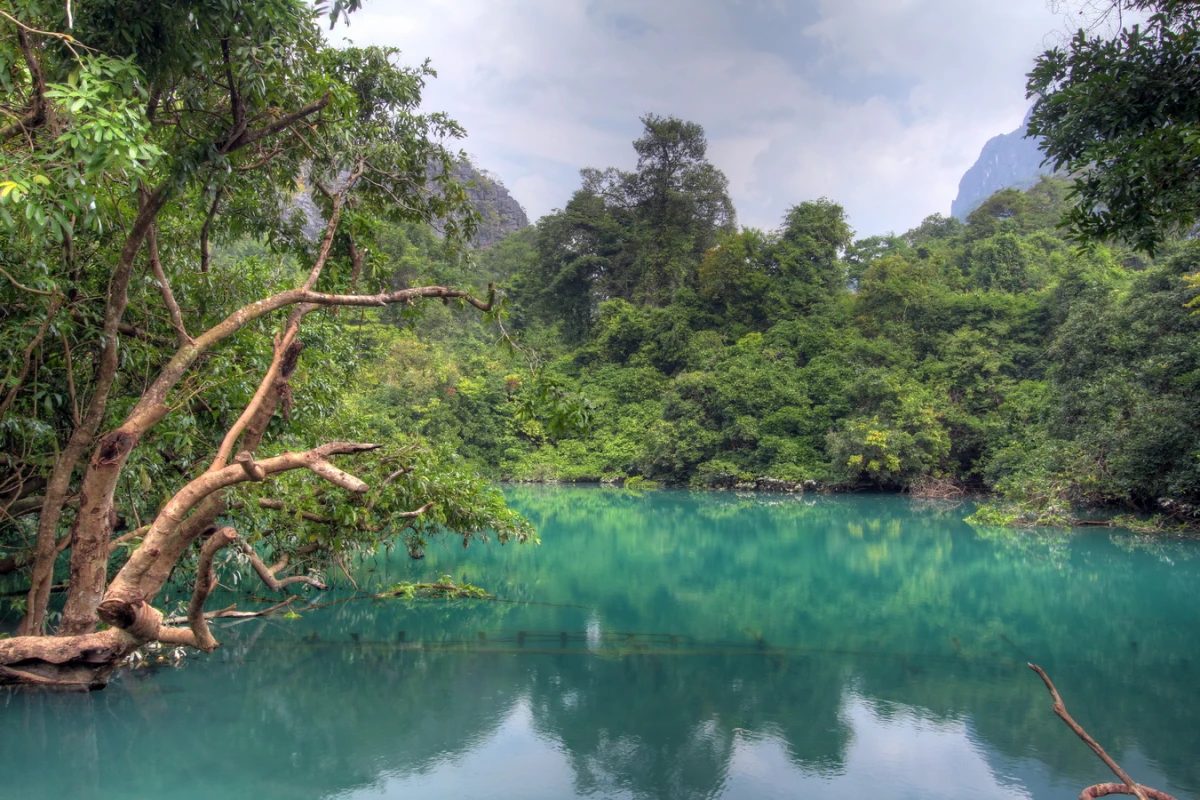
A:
(1122, 114)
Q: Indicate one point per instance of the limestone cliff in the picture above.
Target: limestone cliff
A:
(1007, 161)
(501, 213)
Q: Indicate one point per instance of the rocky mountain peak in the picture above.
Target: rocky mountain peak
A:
(1009, 160)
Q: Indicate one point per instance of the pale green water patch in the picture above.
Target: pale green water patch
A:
(674, 645)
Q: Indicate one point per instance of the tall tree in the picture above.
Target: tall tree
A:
(811, 243)
(639, 236)
(682, 202)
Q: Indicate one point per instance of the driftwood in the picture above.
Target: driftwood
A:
(1127, 785)
(931, 488)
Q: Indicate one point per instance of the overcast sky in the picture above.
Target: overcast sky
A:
(880, 105)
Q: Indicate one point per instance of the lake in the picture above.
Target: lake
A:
(673, 645)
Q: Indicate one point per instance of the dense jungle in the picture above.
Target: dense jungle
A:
(992, 355)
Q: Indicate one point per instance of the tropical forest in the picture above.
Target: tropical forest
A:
(343, 478)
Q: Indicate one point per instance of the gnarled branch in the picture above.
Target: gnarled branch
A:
(169, 536)
(205, 581)
(413, 514)
(339, 200)
(246, 460)
(268, 577)
(1105, 789)
(336, 476)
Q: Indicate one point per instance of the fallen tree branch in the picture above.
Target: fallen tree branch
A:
(231, 612)
(1128, 786)
(1105, 789)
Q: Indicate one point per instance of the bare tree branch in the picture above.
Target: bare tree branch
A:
(165, 287)
(414, 514)
(1128, 786)
(246, 460)
(269, 383)
(23, 287)
(232, 613)
(268, 577)
(36, 115)
(336, 476)
(339, 200)
(397, 474)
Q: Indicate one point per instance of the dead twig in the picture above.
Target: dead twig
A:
(1128, 786)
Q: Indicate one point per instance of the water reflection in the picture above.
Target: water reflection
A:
(706, 646)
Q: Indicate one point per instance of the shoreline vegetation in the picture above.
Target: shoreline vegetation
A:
(647, 337)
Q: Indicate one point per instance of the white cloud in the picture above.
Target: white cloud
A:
(880, 105)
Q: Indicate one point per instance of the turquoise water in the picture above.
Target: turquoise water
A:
(673, 645)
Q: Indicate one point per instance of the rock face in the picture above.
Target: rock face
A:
(1007, 161)
(501, 213)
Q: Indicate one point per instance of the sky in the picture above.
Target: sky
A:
(879, 105)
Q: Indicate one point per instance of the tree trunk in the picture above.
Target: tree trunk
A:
(93, 526)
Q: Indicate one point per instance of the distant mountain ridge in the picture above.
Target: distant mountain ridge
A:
(1007, 161)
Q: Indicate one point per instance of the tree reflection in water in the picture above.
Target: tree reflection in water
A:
(707, 645)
